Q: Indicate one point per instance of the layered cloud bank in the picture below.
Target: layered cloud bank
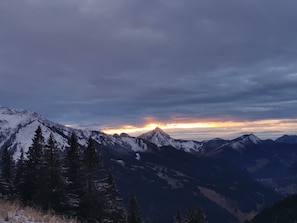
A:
(109, 63)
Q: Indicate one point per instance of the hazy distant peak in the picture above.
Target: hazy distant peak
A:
(289, 139)
(252, 138)
(123, 134)
(247, 139)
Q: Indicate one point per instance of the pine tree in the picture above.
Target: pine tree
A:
(54, 194)
(34, 175)
(7, 173)
(73, 172)
(20, 177)
(195, 215)
(91, 203)
(114, 211)
(133, 215)
(177, 218)
(92, 164)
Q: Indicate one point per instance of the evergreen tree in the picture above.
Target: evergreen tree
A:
(114, 211)
(195, 215)
(73, 169)
(7, 173)
(133, 215)
(20, 177)
(92, 164)
(91, 203)
(34, 173)
(53, 192)
(177, 218)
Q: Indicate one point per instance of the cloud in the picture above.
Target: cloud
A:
(119, 61)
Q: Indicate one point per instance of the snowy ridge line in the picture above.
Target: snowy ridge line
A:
(17, 129)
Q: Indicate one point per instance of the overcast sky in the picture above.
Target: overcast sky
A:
(107, 63)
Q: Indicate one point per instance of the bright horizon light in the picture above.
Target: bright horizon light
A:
(151, 126)
(210, 129)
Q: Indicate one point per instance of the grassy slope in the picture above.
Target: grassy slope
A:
(15, 213)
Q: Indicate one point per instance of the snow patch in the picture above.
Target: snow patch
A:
(137, 156)
(135, 144)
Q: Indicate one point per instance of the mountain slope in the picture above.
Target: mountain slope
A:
(289, 139)
(17, 128)
(160, 138)
(284, 211)
(165, 180)
(262, 158)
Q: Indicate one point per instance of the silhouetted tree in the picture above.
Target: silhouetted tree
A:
(133, 213)
(114, 211)
(20, 177)
(34, 171)
(53, 192)
(195, 215)
(91, 204)
(177, 218)
(73, 166)
(73, 173)
(7, 173)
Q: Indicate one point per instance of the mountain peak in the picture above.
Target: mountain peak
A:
(247, 139)
(289, 139)
(158, 129)
(14, 117)
(251, 138)
(157, 136)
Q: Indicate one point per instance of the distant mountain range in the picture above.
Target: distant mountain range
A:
(234, 179)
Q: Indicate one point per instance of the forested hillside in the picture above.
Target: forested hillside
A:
(68, 184)
(284, 211)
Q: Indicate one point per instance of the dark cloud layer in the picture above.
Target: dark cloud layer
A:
(98, 62)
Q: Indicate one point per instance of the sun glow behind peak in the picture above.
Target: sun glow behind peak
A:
(271, 128)
(166, 126)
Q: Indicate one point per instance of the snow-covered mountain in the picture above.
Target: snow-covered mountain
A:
(241, 142)
(160, 138)
(17, 129)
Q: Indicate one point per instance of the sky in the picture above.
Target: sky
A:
(197, 68)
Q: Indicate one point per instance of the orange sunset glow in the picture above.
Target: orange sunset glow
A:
(150, 126)
(212, 128)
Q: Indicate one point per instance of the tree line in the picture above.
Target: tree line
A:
(67, 184)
